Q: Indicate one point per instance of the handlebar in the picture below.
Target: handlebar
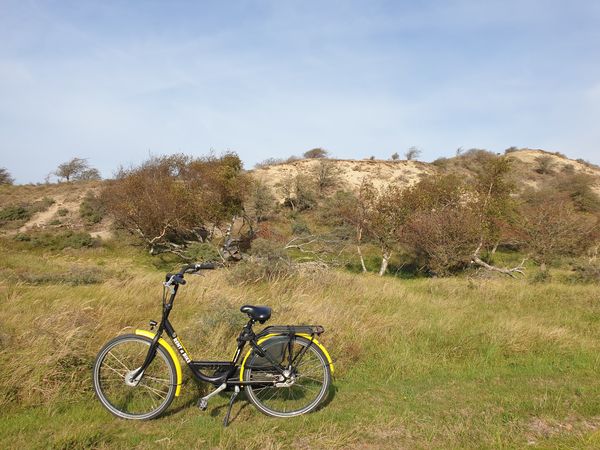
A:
(177, 278)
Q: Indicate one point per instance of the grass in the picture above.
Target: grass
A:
(421, 363)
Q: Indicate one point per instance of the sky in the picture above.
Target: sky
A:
(117, 81)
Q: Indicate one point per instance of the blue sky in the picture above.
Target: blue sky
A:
(117, 81)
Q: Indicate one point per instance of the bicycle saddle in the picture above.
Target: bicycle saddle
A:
(260, 313)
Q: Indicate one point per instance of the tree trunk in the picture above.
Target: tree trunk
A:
(362, 261)
(384, 262)
(495, 247)
(358, 241)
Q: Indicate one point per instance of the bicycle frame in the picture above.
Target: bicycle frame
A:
(247, 335)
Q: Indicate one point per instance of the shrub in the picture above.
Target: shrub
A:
(5, 177)
(261, 201)
(203, 251)
(12, 213)
(412, 153)
(91, 209)
(58, 241)
(326, 176)
(444, 239)
(550, 226)
(442, 163)
(544, 164)
(169, 201)
(300, 227)
(62, 212)
(76, 276)
(269, 162)
(585, 273)
(269, 263)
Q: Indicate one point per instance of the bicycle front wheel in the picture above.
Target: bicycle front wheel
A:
(307, 384)
(143, 398)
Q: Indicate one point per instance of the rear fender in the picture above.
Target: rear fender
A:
(304, 335)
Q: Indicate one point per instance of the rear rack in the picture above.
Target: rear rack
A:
(290, 330)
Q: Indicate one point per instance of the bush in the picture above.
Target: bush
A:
(269, 263)
(203, 251)
(62, 212)
(300, 227)
(5, 177)
(442, 163)
(544, 164)
(12, 213)
(76, 276)
(58, 241)
(92, 209)
(443, 240)
(169, 201)
(585, 273)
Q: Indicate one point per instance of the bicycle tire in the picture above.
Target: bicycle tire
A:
(305, 394)
(144, 400)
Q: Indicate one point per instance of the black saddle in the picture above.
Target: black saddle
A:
(260, 313)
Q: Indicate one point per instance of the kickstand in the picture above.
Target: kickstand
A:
(233, 396)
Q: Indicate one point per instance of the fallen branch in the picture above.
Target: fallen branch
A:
(505, 270)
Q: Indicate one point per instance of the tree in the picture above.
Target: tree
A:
(171, 201)
(381, 213)
(316, 153)
(77, 169)
(450, 221)
(326, 176)
(395, 156)
(90, 174)
(298, 192)
(412, 153)
(551, 227)
(261, 201)
(5, 177)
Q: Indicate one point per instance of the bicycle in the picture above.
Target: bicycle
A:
(285, 373)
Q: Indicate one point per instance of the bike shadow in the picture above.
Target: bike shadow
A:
(220, 410)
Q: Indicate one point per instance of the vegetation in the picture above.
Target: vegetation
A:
(316, 153)
(77, 169)
(171, 201)
(91, 209)
(5, 177)
(523, 373)
(412, 153)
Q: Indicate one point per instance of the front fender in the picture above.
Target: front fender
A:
(171, 352)
(304, 335)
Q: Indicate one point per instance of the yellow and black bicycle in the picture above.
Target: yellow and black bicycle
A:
(285, 373)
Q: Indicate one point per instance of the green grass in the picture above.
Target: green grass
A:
(422, 363)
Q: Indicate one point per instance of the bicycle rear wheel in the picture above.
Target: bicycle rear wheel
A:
(144, 398)
(307, 386)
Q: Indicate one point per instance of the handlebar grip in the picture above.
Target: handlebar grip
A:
(205, 266)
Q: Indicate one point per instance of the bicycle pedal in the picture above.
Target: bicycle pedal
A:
(202, 404)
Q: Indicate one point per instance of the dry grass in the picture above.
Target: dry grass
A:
(422, 363)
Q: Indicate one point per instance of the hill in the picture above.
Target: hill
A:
(405, 173)
(57, 206)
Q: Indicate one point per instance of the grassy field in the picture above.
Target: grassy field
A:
(425, 363)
